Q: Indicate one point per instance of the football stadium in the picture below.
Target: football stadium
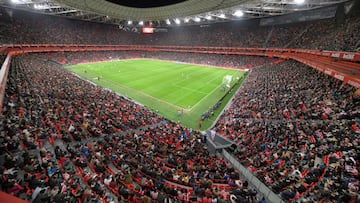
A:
(216, 101)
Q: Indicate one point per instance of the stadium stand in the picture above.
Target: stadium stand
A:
(293, 130)
(22, 26)
(65, 140)
(55, 109)
(339, 37)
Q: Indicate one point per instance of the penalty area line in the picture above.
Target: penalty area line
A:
(210, 93)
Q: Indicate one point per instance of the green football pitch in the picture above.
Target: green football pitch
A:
(180, 92)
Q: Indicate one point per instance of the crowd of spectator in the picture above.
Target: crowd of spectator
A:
(282, 36)
(21, 27)
(335, 36)
(51, 107)
(294, 111)
(65, 139)
(298, 131)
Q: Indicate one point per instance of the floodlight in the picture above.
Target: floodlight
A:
(16, 1)
(197, 19)
(299, 1)
(40, 6)
(222, 15)
(238, 13)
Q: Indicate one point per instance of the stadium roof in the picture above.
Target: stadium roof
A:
(165, 12)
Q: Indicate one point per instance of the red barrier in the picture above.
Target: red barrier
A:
(350, 56)
(336, 74)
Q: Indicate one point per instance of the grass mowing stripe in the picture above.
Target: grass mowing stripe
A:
(191, 90)
(112, 84)
(162, 86)
(210, 93)
(199, 87)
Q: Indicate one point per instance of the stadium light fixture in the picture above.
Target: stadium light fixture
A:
(130, 22)
(38, 6)
(238, 13)
(197, 19)
(16, 1)
(299, 1)
(222, 16)
(141, 23)
(177, 21)
(168, 21)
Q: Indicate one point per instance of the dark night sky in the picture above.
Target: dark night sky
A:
(145, 3)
